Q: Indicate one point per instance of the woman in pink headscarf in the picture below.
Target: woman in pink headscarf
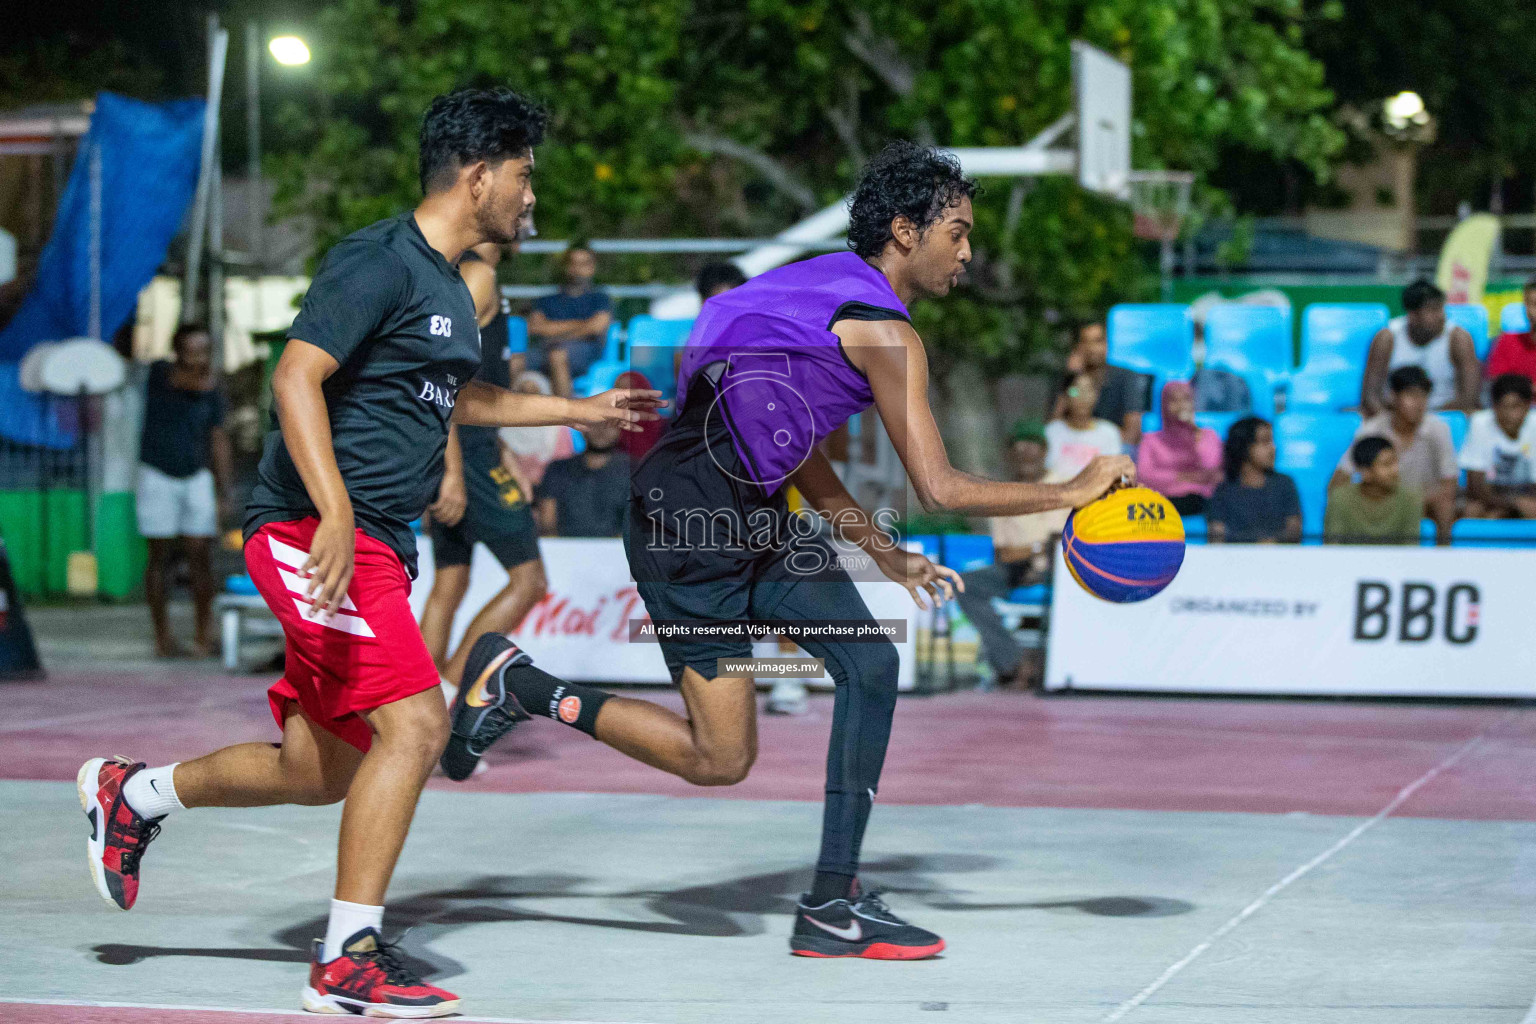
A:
(1182, 460)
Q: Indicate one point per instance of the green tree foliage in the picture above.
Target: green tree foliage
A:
(741, 116)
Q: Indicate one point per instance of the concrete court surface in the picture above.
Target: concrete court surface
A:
(1087, 859)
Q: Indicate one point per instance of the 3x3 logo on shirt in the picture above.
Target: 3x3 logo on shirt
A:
(441, 326)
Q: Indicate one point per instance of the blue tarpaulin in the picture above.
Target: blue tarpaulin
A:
(150, 154)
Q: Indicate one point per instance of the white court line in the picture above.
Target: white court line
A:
(1274, 890)
(276, 1013)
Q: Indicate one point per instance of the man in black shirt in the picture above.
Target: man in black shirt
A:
(378, 362)
(184, 478)
(483, 499)
(586, 495)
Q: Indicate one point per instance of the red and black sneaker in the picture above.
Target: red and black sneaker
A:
(119, 834)
(369, 979)
(863, 927)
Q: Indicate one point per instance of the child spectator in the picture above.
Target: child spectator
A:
(1380, 509)
(1181, 460)
(1498, 454)
(1515, 351)
(1074, 440)
(1425, 454)
(1254, 504)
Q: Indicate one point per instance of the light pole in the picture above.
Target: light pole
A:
(286, 50)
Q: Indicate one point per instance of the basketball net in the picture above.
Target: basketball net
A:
(1160, 202)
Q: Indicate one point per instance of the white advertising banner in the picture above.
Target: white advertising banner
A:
(1384, 621)
(580, 631)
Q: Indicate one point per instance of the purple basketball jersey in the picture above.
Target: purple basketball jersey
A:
(782, 380)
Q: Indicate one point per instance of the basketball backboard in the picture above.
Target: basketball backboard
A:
(1101, 87)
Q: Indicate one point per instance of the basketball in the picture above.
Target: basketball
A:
(1126, 546)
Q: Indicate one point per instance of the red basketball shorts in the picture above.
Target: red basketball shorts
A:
(368, 654)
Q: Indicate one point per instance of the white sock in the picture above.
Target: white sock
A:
(347, 919)
(152, 792)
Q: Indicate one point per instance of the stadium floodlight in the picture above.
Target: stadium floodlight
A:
(1404, 111)
(289, 50)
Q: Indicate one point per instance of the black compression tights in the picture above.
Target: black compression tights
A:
(865, 674)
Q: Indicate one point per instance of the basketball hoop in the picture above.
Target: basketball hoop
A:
(1160, 202)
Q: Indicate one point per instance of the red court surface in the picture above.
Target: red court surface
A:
(1010, 750)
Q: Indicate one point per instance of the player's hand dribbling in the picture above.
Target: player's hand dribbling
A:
(925, 581)
(329, 567)
(627, 407)
(1102, 475)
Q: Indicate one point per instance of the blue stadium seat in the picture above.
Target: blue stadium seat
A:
(1245, 338)
(593, 381)
(1310, 445)
(1426, 533)
(651, 343)
(240, 584)
(1340, 332)
(1155, 338)
(1512, 318)
(963, 552)
(1194, 529)
(1038, 593)
(1494, 533)
(1457, 421)
(928, 544)
(517, 334)
(1473, 318)
(1330, 387)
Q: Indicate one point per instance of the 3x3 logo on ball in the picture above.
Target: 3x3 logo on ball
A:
(1418, 611)
(1142, 511)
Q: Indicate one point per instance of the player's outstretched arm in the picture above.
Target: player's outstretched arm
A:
(891, 355)
(821, 487)
(484, 405)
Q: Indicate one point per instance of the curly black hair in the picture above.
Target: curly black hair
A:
(466, 125)
(918, 182)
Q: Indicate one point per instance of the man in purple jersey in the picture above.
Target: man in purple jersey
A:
(772, 367)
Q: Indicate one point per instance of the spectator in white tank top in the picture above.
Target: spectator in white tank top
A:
(1423, 337)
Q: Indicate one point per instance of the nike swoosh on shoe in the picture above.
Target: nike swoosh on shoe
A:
(853, 933)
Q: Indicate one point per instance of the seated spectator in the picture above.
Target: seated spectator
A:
(1380, 509)
(1218, 389)
(528, 451)
(1499, 451)
(1022, 550)
(1515, 351)
(567, 328)
(1073, 440)
(1425, 455)
(1122, 393)
(1423, 337)
(586, 495)
(1181, 460)
(1254, 504)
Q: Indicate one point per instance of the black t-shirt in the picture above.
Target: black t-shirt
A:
(1123, 391)
(478, 444)
(588, 502)
(177, 424)
(1252, 514)
(401, 322)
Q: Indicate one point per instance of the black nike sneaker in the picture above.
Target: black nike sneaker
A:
(864, 927)
(483, 709)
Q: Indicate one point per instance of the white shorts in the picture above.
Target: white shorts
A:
(171, 506)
